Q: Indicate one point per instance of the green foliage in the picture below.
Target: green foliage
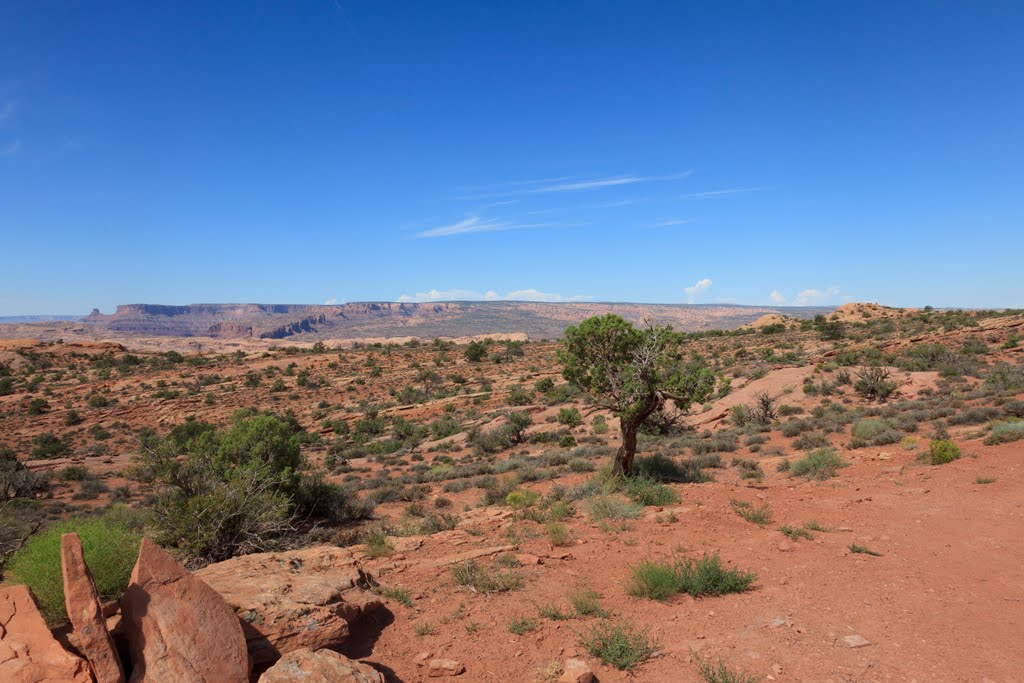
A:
(475, 351)
(663, 468)
(719, 672)
(38, 406)
(699, 577)
(632, 372)
(521, 625)
(474, 575)
(821, 464)
(224, 493)
(109, 543)
(599, 425)
(861, 550)
(586, 602)
(619, 644)
(942, 451)
(1005, 432)
(47, 445)
(609, 507)
(760, 516)
(648, 492)
(570, 417)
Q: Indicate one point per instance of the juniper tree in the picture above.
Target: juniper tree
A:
(633, 372)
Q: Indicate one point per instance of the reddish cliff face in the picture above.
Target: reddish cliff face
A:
(426, 320)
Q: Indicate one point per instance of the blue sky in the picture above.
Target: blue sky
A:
(344, 150)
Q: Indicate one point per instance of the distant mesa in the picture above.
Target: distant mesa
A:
(384, 320)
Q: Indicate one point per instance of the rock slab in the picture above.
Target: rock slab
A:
(86, 613)
(178, 628)
(28, 651)
(293, 600)
(576, 671)
(322, 666)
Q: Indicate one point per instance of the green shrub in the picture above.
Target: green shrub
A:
(943, 451)
(619, 644)
(703, 576)
(1005, 432)
(474, 575)
(647, 492)
(599, 425)
(663, 468)
(719, 672)
(570, 417)
(110, 544)
(609, 507)
(821, 464)
(586, 602)
(757, 515)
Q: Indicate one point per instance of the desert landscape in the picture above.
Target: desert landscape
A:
(351, 341)
(830, 509)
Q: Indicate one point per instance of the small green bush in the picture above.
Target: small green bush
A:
(648, 492)
(619, 644)
(821, 464)
(703, 576)
(110, 544)
(607, 507)
(943, 451)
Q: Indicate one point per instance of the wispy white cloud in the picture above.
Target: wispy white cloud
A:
(726, 192)
(490, 295)
(478, 224)
(777, 297)
(694, 290)
(331, 302)
(469, 225)
(6, 109)
(573, 185)
(10, 149)
(670, 222)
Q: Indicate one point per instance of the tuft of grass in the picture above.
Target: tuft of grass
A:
(719, 672)
(854, 548)
(110, 544)
(796, 533)
(521, 625)
(699, 577)
(377, 545)
(609, 507)
(399, 595)
(760, 516)
(553, 612)
(558, 533)
(477, 577)
(983, 480)
(425, 629)
(586, 602)
(814, 526)
(619, 644)
(821, 464)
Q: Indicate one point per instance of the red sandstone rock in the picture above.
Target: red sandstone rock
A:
(86, 613)
(293, 600)
(178, 628)
(322, 666)
(28, 651)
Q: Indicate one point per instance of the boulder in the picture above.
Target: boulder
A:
(292, 600)
(28, 651)
(86, 613)
(322, 666)
(178, 628)
(576, 671)
(445, 667)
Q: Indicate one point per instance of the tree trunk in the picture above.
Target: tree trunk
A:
(627, 451)
(623, 466)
